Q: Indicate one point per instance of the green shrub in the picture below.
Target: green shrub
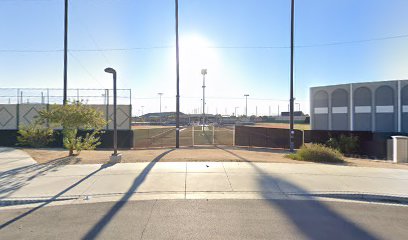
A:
(89, 142)
(34, 135)
(345, 144)
(73, 116)
(317, 153)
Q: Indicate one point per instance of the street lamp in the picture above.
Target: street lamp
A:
(160, 95)
(246, 104)
(203, 72)
(115, 156)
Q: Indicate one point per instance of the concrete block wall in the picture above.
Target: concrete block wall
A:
(14, 115)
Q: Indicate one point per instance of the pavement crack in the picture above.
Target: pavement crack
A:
(229, 182)
(148, 220)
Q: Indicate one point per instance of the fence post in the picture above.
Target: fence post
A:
(18, 110)
(213, 135)
(107, 108)
(192, 137)
(48, 105)
(233, 136)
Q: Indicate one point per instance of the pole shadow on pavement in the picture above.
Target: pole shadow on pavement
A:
(55, 198)
(101, 224)
(311, 217)
(14, 179)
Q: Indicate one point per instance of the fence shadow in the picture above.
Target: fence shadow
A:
(311, 217)
(14, 179)
(55, 198)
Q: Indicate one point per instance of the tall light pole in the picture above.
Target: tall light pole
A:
(292, 35)
(65, 53)
(178, 79)
(160, 96)
(203, 72)
(236, 111)
(246, 104)
(115, 130)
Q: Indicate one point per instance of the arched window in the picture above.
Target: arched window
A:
(384, 109)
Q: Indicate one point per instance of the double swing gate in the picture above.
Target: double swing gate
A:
(196, 135)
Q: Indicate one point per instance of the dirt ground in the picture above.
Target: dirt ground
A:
(196, 154)
(283, 125)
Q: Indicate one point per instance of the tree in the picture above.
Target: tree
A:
(72, 117)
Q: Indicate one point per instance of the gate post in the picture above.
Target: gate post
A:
(233, 136)
(213, 135)
(192, 133)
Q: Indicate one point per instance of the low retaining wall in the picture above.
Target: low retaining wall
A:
(266, 137)
(8, 138)
(371, 144)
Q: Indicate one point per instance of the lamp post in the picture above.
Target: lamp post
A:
(246, 104)
(160, 95)
(203, 72)
(292, 33)
(115, 156)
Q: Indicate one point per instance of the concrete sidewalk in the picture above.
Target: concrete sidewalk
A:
(22, 181)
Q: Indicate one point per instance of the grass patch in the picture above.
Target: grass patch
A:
(317, 153)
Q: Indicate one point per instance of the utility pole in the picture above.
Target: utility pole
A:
(160, 96)
(178, 79)
(65, 53)
(246, 104)
(236, 111)
(292, 35)
(203, 72)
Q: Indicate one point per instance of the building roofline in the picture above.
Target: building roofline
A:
(343, 84)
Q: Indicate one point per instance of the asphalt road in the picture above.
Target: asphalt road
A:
(209, 219)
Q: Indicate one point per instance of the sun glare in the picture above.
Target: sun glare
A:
(196, 53)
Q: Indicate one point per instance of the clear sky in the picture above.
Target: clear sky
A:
(243, 43)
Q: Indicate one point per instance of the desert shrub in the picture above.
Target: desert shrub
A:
(73, 116)
(34, 135)
(345, 144)
(79, 143)
(317, 153)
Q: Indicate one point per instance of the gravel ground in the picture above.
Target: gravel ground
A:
(196, 154)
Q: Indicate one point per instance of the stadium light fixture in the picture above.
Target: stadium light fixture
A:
(246, 104)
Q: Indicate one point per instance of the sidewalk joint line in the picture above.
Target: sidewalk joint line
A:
(185, 184)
